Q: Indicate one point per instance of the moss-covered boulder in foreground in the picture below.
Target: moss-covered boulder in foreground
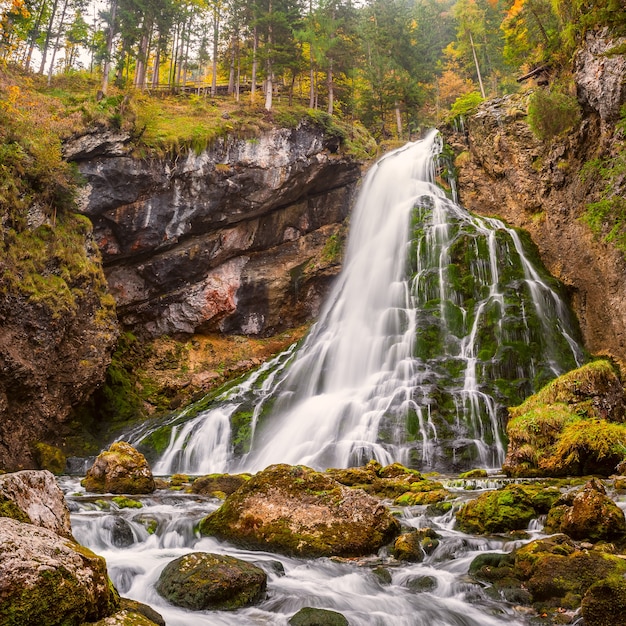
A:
(298, 511)
(48, 579)
(120, 469)
(588, 514)
(415, 545)
(552, 575)
(573, 426)
(201, 581)
(509, 508)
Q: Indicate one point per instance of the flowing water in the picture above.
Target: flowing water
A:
(438, 321)
(138, 543)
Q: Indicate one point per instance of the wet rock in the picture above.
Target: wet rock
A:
(421, 584)
(48, 579)
(507, 509)
(309, 616)
(415, 545)
(383, 575)
(298, 511)
(201, 581)
(587, 515)
(34, 496)
(552, 574)
(573, 426)
(218, 484)
(604, 603)
(120, 531)
(120, 469)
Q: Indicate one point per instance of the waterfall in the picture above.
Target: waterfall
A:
(439, 320)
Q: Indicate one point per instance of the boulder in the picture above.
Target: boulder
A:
(48, 579)
(297, 511)
(604, 603)
(309, 616)
(507, 509)
(34, 496)
(588, 515)
(132, 613)
(414, 545)
(552, 575)
(120, 469)
(201, 581)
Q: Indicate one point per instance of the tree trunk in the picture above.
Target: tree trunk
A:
(480, 78)
(57, 41)
(109, 50)
(255, 47)
(216, 34)
(398, 120)
(33, 36)
(269, 86)
(331, 89)
(46, 44)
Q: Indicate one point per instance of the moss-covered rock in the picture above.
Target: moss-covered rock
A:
(604, 603)
(218, 485)
(507, 509)
(132, 613)
(296, 510)
(120, 469)
(587, 514)
(550, 574)
(309, 616)
(48, 579)
(201, 581)
(415, 545)
(573, 426)
(49, 457)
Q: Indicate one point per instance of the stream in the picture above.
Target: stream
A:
(137, 543)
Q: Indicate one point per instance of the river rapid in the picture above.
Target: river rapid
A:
(137, 543)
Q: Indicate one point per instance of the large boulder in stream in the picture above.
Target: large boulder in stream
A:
(120, 469)
(201, 581)
(49, 579)
(297, 511)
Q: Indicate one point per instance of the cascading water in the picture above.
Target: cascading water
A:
(438, 321)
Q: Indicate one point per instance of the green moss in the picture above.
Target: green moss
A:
(127, 503)
(8, 508)
(507, 509)
(49, 457)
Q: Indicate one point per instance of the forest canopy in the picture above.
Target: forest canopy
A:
(394, 65)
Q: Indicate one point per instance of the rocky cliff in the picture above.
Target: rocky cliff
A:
(57, 332)
(505, 170)
(242, 238)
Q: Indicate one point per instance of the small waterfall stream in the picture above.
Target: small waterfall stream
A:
(438, 321)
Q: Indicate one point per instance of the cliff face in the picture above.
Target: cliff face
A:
(57, 332)
(241, 238)
(505, 171)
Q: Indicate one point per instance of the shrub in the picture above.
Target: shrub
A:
(552, 112)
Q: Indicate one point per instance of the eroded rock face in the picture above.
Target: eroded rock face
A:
(295, 510)
(201, 581)
(234, 239)
(47, 579)
(600, 75)
(120, 469)
(39, 497)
